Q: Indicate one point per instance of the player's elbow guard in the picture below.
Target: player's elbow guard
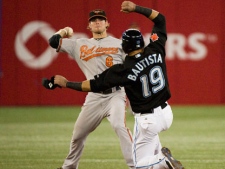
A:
(54, 41)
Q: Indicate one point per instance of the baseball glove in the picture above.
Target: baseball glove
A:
(49, 83)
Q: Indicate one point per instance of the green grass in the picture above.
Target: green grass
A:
(38, 138)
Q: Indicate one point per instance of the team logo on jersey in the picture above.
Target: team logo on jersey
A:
(89, 53)
(154, 37)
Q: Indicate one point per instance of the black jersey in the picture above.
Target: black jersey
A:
(144, 75)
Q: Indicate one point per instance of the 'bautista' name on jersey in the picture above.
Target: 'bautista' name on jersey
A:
(139, 66)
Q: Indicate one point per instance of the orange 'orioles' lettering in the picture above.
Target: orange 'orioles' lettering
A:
(89, 53)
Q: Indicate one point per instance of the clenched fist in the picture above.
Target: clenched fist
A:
(60, 80)
(127, 6)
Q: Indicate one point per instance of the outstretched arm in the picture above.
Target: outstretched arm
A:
(114, 76)
(128, 7)
(79, 86)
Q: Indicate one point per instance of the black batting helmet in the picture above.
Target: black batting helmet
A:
(132, 39)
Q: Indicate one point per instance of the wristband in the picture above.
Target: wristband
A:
(74, 85)
(144, 11)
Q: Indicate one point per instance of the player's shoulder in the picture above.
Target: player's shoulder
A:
(74, 39)
(85, 41)
(113, 38)
(113, 41)
(82, 39)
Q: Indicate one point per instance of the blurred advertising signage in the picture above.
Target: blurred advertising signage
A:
(182, 47)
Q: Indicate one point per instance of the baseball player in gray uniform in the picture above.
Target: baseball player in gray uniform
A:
(93, 56)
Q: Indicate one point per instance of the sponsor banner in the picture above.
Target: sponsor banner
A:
(195, 58)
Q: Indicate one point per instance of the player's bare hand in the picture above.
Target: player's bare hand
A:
(60, 80)
(127, 7)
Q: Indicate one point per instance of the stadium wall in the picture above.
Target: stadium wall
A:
(195, 48)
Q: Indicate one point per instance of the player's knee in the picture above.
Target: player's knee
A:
(118, 126)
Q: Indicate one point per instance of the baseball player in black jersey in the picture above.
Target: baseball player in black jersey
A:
(144, 77)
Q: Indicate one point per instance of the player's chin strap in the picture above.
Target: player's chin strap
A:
(49, 83)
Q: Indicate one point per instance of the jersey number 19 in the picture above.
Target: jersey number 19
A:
(156, 80)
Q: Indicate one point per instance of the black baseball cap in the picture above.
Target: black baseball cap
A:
(97, 13)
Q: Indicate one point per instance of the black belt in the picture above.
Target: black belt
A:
(163, 105)
(111, 90)
(152, 110)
